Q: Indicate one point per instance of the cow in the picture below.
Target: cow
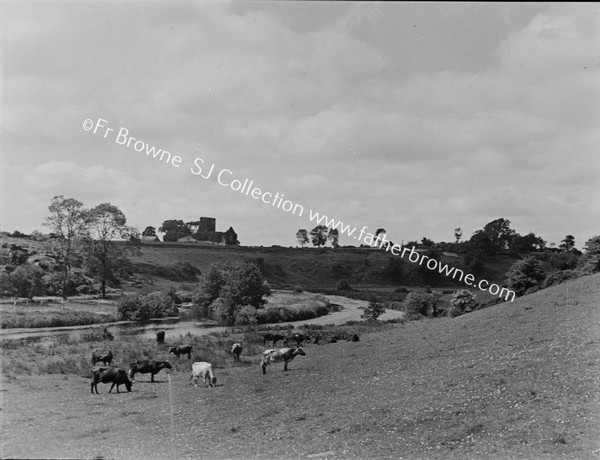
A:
(106, 358)
(279, 355)
(147, 367)
(296, 337)
(160, 337)
(112, 375)
(204, 370)
(181, 350)
(354, 338)
(106, 335)
(236, 351)
(274, 338)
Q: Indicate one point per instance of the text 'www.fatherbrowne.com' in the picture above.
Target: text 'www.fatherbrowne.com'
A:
(380, 242)
(246, 186)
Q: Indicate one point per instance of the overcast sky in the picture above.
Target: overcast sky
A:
(413, 117)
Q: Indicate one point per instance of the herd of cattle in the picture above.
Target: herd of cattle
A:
(200, 370)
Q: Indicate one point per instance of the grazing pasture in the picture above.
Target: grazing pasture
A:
(517, 380)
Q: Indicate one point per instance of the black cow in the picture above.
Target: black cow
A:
(106, 358)
(181, 350)
(160, 337)
(272, 338)
(148, 367)
(296, 337)
(236, 351)
(112, 375)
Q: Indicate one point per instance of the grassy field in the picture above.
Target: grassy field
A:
(518, 380)
(52, 312)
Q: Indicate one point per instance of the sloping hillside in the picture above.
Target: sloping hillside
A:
(312, 267)
(517, 380)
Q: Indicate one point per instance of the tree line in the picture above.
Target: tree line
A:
(82, 244)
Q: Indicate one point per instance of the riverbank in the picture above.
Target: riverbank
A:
(349, 310)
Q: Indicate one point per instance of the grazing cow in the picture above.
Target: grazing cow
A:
(236, 351)
(274, 338)
(279, 355)
(354, 338)
(148, 367)
(106, 358)
(181, 350)
(296, 337)
(204, 370)
(106, 335)
(160, 337)
(112, 375)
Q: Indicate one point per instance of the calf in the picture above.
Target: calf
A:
(279, 355)
(112, 375)
(204, 370)
(148, 367)
(181, 350)
(106, 358)
(274, 338)
(236, 351)
(296, 337)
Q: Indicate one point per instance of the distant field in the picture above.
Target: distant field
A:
(517, 380)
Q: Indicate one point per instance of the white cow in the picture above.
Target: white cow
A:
(275, 355)
(204, 370)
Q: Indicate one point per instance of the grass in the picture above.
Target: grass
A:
(25, 319)
(516, 380)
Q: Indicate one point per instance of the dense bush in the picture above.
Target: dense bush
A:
(24, 281)
(589, 262)
(558, 277)
(462, 301)
(226, 288)
(419, 304)
(525, 275)
(139, 307)
(344, 286)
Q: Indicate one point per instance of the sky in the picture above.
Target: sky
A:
(413, 117)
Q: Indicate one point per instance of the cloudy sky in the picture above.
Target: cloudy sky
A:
(414, 117)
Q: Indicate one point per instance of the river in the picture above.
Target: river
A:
(350, 311)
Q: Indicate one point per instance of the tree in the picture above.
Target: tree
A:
(568, 243)
(525, 274)
(334, 236)
(174, 229)
(149, 231)
(589, 262)
(68, 223)
(106, 226)
(319, 235)
(499, 233)
(26, 281)
(373, 311)
(420, 304)
(458, 234)
(226, 288)
(302, 236)
(527, 243)
(462, 301)
(482, 244)
(426, 242)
